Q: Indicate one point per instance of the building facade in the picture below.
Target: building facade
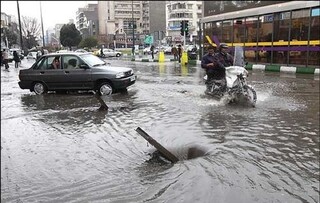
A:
(176, 11)
(87, 21)
(5, 22)
(157, 20)
(118, 20)
(274, 32)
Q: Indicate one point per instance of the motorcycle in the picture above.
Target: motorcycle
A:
(235, 86)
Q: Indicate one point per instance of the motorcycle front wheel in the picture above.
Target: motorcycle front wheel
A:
(251, 95)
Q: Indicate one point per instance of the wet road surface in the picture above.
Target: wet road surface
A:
(61, 148)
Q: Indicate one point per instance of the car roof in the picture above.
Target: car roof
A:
(67, 53)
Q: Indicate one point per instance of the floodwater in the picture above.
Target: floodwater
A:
(61, 148)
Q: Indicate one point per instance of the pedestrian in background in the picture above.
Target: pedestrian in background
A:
(1, 58)
(174, 51)
(42, 51)
(152, 51)
(179, 53)
(5, 56)
(16, 59)
(101, 51)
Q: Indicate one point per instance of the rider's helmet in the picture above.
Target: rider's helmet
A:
(223, 46)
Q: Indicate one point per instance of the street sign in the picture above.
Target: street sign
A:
(148, 39)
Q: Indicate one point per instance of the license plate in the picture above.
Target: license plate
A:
(132, 78)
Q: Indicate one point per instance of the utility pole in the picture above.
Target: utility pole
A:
(21, 42)
(184, 36)
(43, 44)
(132, 30)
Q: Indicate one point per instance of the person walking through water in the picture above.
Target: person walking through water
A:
(5, 56)
(16, 59)
(174, 51)
(179, 53)
(101, 51)
(152, 51)
(208, 64)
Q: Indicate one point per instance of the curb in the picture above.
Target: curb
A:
(279, 68)
(152, 60)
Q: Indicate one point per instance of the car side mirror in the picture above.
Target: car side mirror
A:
(84, 66)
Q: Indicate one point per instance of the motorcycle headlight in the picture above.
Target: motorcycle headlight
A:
(120, 75)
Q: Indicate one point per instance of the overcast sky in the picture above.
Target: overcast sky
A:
(53, 12)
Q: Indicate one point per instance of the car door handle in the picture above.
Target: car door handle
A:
(42, 72)
(66, 71)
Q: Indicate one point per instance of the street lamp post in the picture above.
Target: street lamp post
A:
(21, 42)
(133, 45)
(43, 44)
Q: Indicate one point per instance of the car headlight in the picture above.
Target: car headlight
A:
(120, 75)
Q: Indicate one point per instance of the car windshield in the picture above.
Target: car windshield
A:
(92, 60)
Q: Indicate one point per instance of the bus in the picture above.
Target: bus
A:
(271, 32)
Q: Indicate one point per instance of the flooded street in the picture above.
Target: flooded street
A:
(61, 148)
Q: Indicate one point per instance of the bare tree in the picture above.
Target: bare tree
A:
(30, 30)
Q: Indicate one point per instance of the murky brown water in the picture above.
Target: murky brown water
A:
(60, 148)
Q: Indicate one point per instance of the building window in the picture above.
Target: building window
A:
(281, 29)
(227, 31)
(299, 33)
(314, 56)
(239, 31)
(265, 30)
(212, 30)
(251, 52)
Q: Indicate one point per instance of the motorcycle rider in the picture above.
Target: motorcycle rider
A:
(208, 64)
(223, 58)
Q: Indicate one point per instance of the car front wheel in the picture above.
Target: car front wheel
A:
(117, 55)
(39, 88)
(105, 89)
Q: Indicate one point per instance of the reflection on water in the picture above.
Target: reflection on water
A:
(61, 148)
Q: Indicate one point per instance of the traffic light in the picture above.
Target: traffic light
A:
(186, 27)
(182, 28)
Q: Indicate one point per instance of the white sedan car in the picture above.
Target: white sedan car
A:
(111, 53)
(32, 55)
(148, 51)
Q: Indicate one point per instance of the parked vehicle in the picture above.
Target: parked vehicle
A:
(32, 55)
(78, 71)
(148, 51)
(81, 51)
(62, 51)
(192, 48)
(166, 49)
(110, 53)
